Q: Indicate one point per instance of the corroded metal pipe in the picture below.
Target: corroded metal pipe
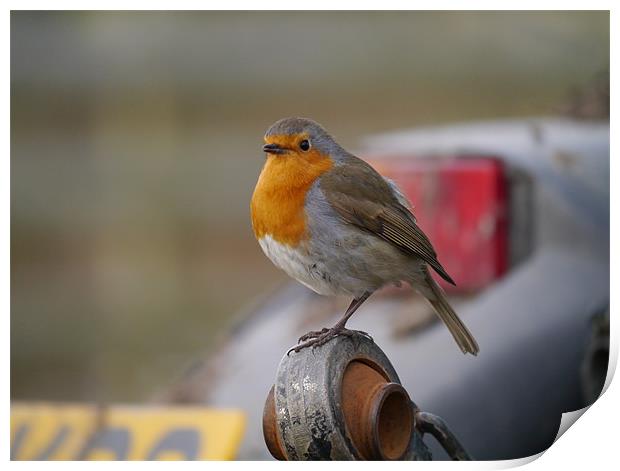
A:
(340, 401)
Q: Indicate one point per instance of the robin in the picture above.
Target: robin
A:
(331, 222)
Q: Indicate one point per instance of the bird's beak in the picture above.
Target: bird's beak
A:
(273, 149)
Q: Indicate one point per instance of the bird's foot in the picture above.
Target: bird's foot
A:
(313, 334)
(320, 337)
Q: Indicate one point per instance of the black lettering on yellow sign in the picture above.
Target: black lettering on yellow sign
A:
(115, 442)
(18, 439)
(182, 443)
(112, 440)
(45, 431)
(183, 440)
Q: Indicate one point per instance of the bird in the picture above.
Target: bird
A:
(330, 221)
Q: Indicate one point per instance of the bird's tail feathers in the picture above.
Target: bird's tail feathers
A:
(437, 298)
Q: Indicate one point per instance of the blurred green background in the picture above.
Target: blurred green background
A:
(136, 143)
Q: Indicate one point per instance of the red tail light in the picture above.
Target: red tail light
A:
(462, 205)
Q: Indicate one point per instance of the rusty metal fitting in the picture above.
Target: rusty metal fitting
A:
(377, 413)
(340, 401)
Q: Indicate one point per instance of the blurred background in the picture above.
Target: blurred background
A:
(136, 143)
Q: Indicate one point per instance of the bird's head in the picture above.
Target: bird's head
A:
(299, 138)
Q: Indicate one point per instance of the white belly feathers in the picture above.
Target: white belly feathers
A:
(297, 265)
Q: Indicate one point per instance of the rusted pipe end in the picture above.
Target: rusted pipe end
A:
(270, 428)
(377, 413)
(393, 421)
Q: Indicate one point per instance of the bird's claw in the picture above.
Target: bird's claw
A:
(312, 334)
(317, 338)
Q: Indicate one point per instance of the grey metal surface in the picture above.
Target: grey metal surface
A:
(532, 328)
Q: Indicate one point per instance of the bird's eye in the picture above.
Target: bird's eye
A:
(304, 145)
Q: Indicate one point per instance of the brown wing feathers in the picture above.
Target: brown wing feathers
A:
(374, 207)
(405, 233)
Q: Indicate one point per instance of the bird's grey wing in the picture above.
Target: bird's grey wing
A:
(365, 199)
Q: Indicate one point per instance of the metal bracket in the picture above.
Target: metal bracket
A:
(437, 427)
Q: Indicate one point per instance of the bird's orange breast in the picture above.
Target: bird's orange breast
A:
(277, 205)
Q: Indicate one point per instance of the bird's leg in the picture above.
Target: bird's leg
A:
(319, 337)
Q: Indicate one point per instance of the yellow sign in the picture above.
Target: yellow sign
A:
(47, 431)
